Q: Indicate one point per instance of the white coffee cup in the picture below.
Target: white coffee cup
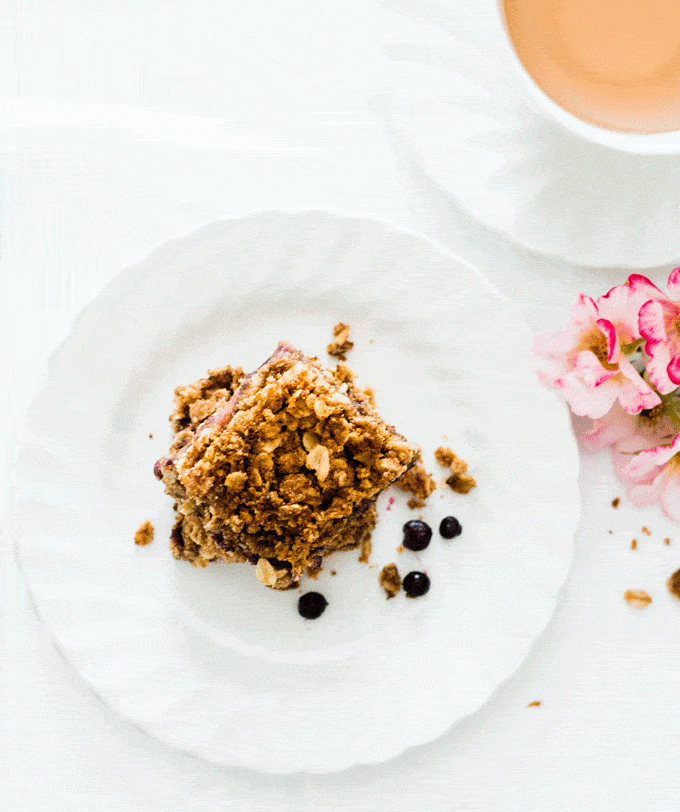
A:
(661, 143)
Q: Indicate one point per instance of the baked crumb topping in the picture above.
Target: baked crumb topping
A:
(459, 480)
(341, 343)
(390, 580)
(637, 598)
(144, 534)
(282, 465)
(417, 482)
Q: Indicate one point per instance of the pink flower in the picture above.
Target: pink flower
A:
(628, 433)
(660, 326)
(653, 475)
(587, 360)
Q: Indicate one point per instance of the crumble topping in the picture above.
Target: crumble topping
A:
(366, 549)
(459, 480)
(637, 598)
(144, 534)
(673, 584)
(390, 580)
(341, 343)
(417, 482)
(279, 467)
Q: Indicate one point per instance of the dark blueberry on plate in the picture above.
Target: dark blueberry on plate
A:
(311, 605)
(450, 527)
(417, 535)
(415, 584)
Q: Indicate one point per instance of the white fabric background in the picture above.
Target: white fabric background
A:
(125, 124)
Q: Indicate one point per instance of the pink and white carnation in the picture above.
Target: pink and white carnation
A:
(587, 360)
(659, 325)
(628, 433)
(653, 475)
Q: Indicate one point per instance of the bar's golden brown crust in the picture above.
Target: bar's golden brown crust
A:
(284, 464)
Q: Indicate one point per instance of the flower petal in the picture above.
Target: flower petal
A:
(674, 283)
(650, 459)
(622, 304)
(609, 332)
(590, 370)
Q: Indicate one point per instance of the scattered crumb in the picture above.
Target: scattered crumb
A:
(366, 548)
(313, 572)
(333, 572)
(400, 549)
(666, 541)
(534, 704)
(633, 544)
(417, 482)
(611, 532)
(673, 584)
(637, 598)
(646, 531)
(371, 341)
(144, 534)
(446, 457)
(459, 481)
(341, 343)
(390, 580)
(150, 436)
(615, 502)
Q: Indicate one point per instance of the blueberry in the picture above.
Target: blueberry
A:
(450, 527)
(311, 605)
(417, 535)
(415, 584)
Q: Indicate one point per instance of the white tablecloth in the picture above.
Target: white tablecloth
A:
(125, 124)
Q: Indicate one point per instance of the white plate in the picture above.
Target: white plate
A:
(210, 660)
(470, 127)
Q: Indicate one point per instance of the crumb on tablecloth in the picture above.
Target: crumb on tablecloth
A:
(673, 584)
(637, 598)
(390, 580)
(341, 343)
(615, 502)
(666, 541)
(534, 704)
(646, 531)
(144, 534)
(633, 544)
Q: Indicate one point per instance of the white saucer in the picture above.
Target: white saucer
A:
(472, 129)
(212, 662)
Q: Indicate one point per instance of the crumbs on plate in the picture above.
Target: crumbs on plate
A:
(459, 480)
(144, 534)
(637, 598)
(341, 344)
(390, 580)
(673, 584)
